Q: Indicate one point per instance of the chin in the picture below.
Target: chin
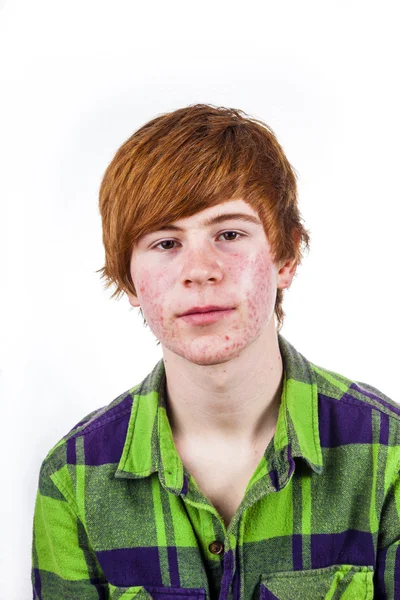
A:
(208, 362)
(213, 356)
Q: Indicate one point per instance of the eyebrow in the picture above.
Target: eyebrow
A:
(217, 219)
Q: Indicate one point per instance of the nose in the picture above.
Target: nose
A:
(201, 265)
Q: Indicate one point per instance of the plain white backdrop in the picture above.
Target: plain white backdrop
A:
(77, 79)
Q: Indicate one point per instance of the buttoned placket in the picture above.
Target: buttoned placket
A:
(231, 543)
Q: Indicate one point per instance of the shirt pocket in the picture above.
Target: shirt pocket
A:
(139, 592)
(338, 582)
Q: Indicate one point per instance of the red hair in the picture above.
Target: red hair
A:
(180, 163)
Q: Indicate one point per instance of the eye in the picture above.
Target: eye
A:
(219, 235)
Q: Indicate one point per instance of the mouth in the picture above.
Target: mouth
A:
(207, 317)
(204, 309)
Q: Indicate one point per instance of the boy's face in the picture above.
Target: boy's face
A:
(200, 266)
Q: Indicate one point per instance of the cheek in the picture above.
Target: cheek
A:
(260, 284)
(151, 288)
(252, 280)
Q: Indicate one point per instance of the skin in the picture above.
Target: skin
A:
(224, 380)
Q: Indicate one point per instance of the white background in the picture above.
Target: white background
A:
(77, 78)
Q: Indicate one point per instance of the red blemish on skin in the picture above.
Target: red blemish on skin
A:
(168, 283)
(162, 293)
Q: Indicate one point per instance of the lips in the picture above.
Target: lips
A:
(204, 309)
(207, 318)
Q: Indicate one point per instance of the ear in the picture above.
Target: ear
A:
(133, 300)
(286, 273)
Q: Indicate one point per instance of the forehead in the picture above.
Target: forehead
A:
(224, 211)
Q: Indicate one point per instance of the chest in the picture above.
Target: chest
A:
(139, 518)
(222, 476)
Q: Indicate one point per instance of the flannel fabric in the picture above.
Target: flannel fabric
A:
(118, 516)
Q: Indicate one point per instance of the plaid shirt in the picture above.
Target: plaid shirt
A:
(118, 516)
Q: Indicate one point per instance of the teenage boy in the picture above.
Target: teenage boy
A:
(237, 468)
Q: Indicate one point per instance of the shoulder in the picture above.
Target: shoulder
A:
(96, 438)
(346, 390)
(355, 412)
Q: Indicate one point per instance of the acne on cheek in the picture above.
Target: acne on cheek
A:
(252, 274)
(152, 291)
(262, 293)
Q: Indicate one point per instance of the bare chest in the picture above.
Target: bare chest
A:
(223, 476)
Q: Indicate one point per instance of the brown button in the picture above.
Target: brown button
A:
(216, 547)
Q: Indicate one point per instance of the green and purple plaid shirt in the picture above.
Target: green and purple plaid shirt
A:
(118, 516)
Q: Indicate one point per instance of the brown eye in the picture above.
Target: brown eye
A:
(163, 249)
(167, 242)
(235, 232)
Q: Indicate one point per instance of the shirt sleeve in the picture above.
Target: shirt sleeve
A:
(387, 572)
(64, 565)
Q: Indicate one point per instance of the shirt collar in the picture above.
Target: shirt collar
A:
(149, 444)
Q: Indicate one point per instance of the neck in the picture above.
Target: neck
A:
(236, 401)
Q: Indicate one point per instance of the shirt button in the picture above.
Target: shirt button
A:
(216, 547)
